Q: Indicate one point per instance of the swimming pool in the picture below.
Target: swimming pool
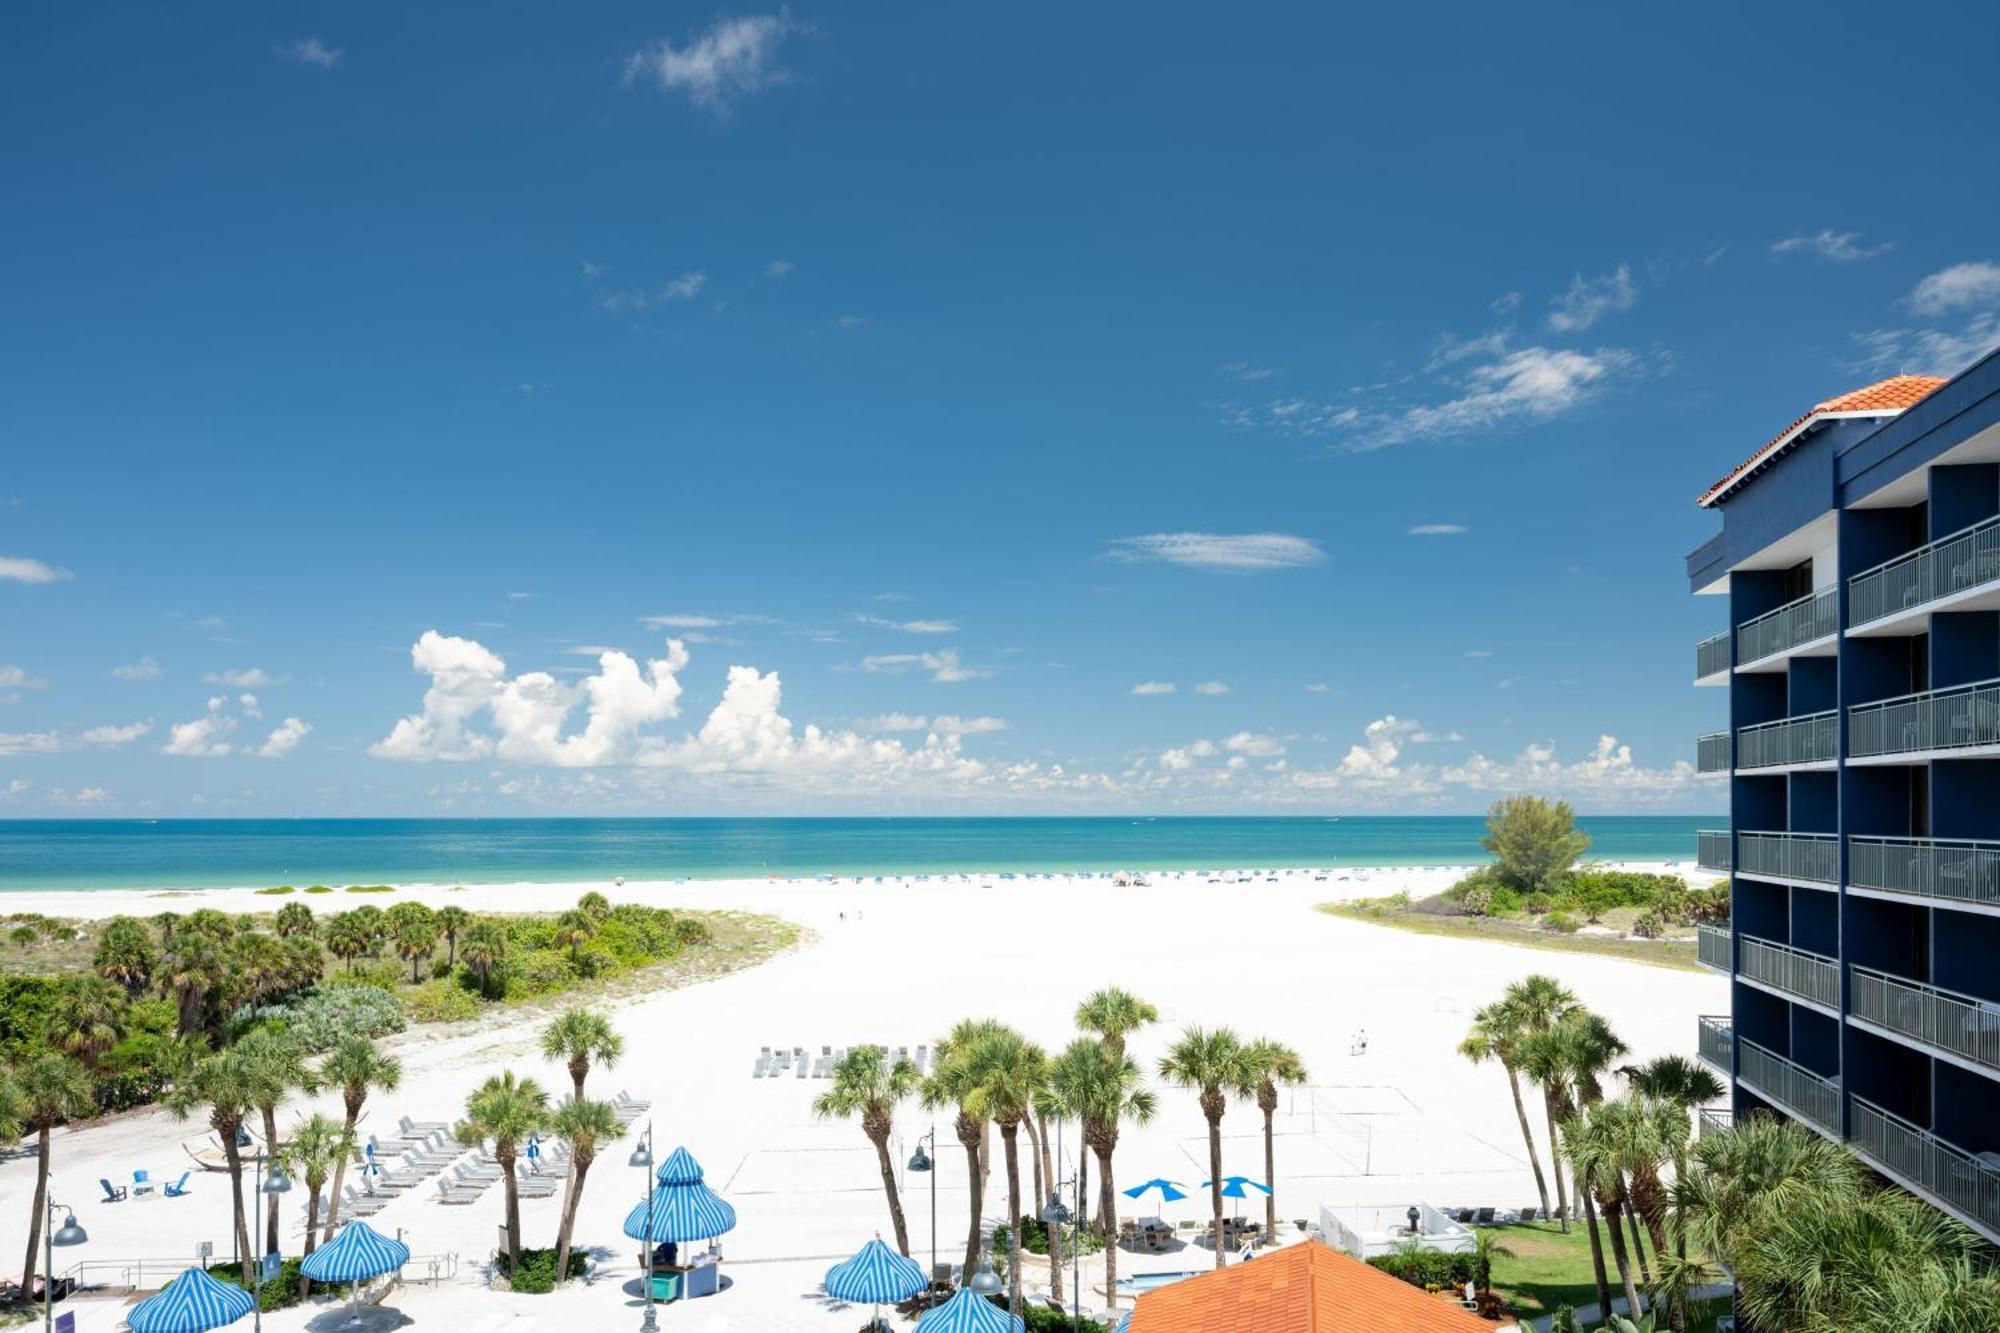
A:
(1142, 1282)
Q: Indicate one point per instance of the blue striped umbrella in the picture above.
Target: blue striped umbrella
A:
(191, 1303)
(683, 1208)
(359, 1252)
(968, 1312)
(876, 1276)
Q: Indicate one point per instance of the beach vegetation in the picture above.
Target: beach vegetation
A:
(1008, 1073)
(867, 1087)
(1496, 1034)
(276, 890)
(952, 1086)
(581, 1038)
(278, 1293)
(41, 1093)
(277, 1068)
(1103, 1089)
(585, 1126)
(371, 888)
(357, 1068)
(318, 1149)
(441, 1000)
(223, 1085)
(1210, 1062)
(1271, 1065)
(533, 1272)
(1533, 840)
(318, 888)
(506, 1109)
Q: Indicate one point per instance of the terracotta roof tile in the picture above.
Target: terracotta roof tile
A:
(1882, 398)
(1303, 1288)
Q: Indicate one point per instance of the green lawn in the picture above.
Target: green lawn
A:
(1678, 954)
(1549, 1270)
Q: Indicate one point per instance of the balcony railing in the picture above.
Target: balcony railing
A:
(1966, 559)
(1963, 1025)
(1711, 849)
(1794, 971)
(1808, 856)
(1798, 740)
(1807, 1095)
(1711, 753)
(1955, 871)
(1927, 1161)
(1714, 1120)
(1948, 719)
(1715, 1040)
(1813, 616)
(1711, 656)
(1711, 947)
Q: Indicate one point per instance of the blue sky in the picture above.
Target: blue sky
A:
(944, 383)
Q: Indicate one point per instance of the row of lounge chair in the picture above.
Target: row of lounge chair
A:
(797, 1062)
(1486, 1217)
(142, 1184)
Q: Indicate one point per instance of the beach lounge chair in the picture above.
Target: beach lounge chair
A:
(142, 1183)
(422, 1128)
(178, 1189)
(1531, 1212)
(625, 1098)
(447, 1194)
(112, 1193)
(1483, 1218)
(763, 1064)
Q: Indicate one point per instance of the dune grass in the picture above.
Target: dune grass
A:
(1673, 953)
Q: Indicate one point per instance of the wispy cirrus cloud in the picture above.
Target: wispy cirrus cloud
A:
(729, 60)
(245, 678)
(311, 51)
(945, 666)
(1438, 529)
(1839, 247)
(1967, 286)
(20, 569)
(1212, 687)
(1969, 291)
(143, 669)
(906, 626)
(1154, 687)
(1589, 299)
(1228, 553)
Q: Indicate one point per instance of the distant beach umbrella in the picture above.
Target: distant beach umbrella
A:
(1238, 1187)
(191, 1303)
(967, 1312)
(683, 1208)
(1170, 1190)
(876, 1276)
(534, 1147)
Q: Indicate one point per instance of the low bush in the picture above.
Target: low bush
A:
(280, 888)
(1650, 925)
(276, 1294)
(318, 888)
(371, 888)
(322, 1017)
(1035, 1237)
(440, 1002)
(1561, 923)
(1430, 1269)
(537, 1273)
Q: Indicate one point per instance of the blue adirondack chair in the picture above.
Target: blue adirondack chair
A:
(177, 1189)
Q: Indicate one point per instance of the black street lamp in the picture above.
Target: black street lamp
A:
(642, 1157)
(1055, 1215)
(66, 1235)
(920, 1161)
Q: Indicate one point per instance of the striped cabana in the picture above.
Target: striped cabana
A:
(192, 1303)
(967, 1312)
(683, 1208)
(876, 1276)
(358, 1253)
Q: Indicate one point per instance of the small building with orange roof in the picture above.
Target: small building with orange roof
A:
(1303, 1288)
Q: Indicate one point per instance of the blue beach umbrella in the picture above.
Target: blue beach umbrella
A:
(968, 1312)
(1238, 1187)
(358, 1253)
(876, 1276)
(192, 1303)
(683, 1208)
(1170, 1190)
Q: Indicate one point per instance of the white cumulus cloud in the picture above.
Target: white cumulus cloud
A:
(284, 738)
(245, 678)
(1211, 687)
(206, 737)
(1154, 687)
(20, 569)
(114, 735)
(143, 669)
(731, 59)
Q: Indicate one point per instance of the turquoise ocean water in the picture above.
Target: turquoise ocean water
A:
(224, 853)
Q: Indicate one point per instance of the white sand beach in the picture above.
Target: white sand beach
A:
(896, 963)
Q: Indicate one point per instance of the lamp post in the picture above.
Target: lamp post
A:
(69, 1234)
(642, 1157)
(274, 1183)
(920, 1161)
(985, 1282)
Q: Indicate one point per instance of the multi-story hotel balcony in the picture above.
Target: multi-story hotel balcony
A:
(1806, 626)
(1711, 849)
(1952, 1178)
(1933, 869)
(1961, 1028)
(1793, 742)
(1792, 1087)
(1713, 1120)
(1715, 1041)
(1810, 858)
(1962, 720)
(1711, 947)
(1712, 660)
(1956, 573)
(1795, 973)
(1711, 753)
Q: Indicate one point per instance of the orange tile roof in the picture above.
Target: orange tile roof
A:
(1883, 398)
(1303, 1288)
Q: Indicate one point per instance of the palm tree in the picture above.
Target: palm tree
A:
(416, 941)
(190, 970)
(1102, 1091)
(506, 1109)
(125, 954)
(868, 1086)
(277, 1064)
(578, 1037)
(318, 1148)
(1113, 1014)
(1212, 1064)
(1496, 1030)
(347, 938)
(583, 1125)
(1010, 1071)
(1545, 1059)
(1533, 1005)
(952, 1085)
(1745, 1177)
(89, 1018)
(256, 963)
(48, 1087)
(485, 950)
(1272, 1064)
(575, 928)
(594, 905)
(293, 919)
(451, 923)
(356, 1068)
(225, 1085)
(1591, 1141)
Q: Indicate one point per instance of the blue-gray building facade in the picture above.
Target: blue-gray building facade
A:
(1859, 560)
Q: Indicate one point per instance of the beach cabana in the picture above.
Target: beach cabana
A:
(876, 1276)
(968, 1312)
(192, 1303)
(356, 1254)
(683, 1209)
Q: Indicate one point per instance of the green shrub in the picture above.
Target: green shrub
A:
(276, 1294)
(1562, 923)
(318, 888)
(1429, 1269)
(1035, 1237)
(323, 1016)
(537, 972)
(281, 888)
(537, 1273)
(371, 888)
(440, 1002)
(1041, 1319)
(1650, 926)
